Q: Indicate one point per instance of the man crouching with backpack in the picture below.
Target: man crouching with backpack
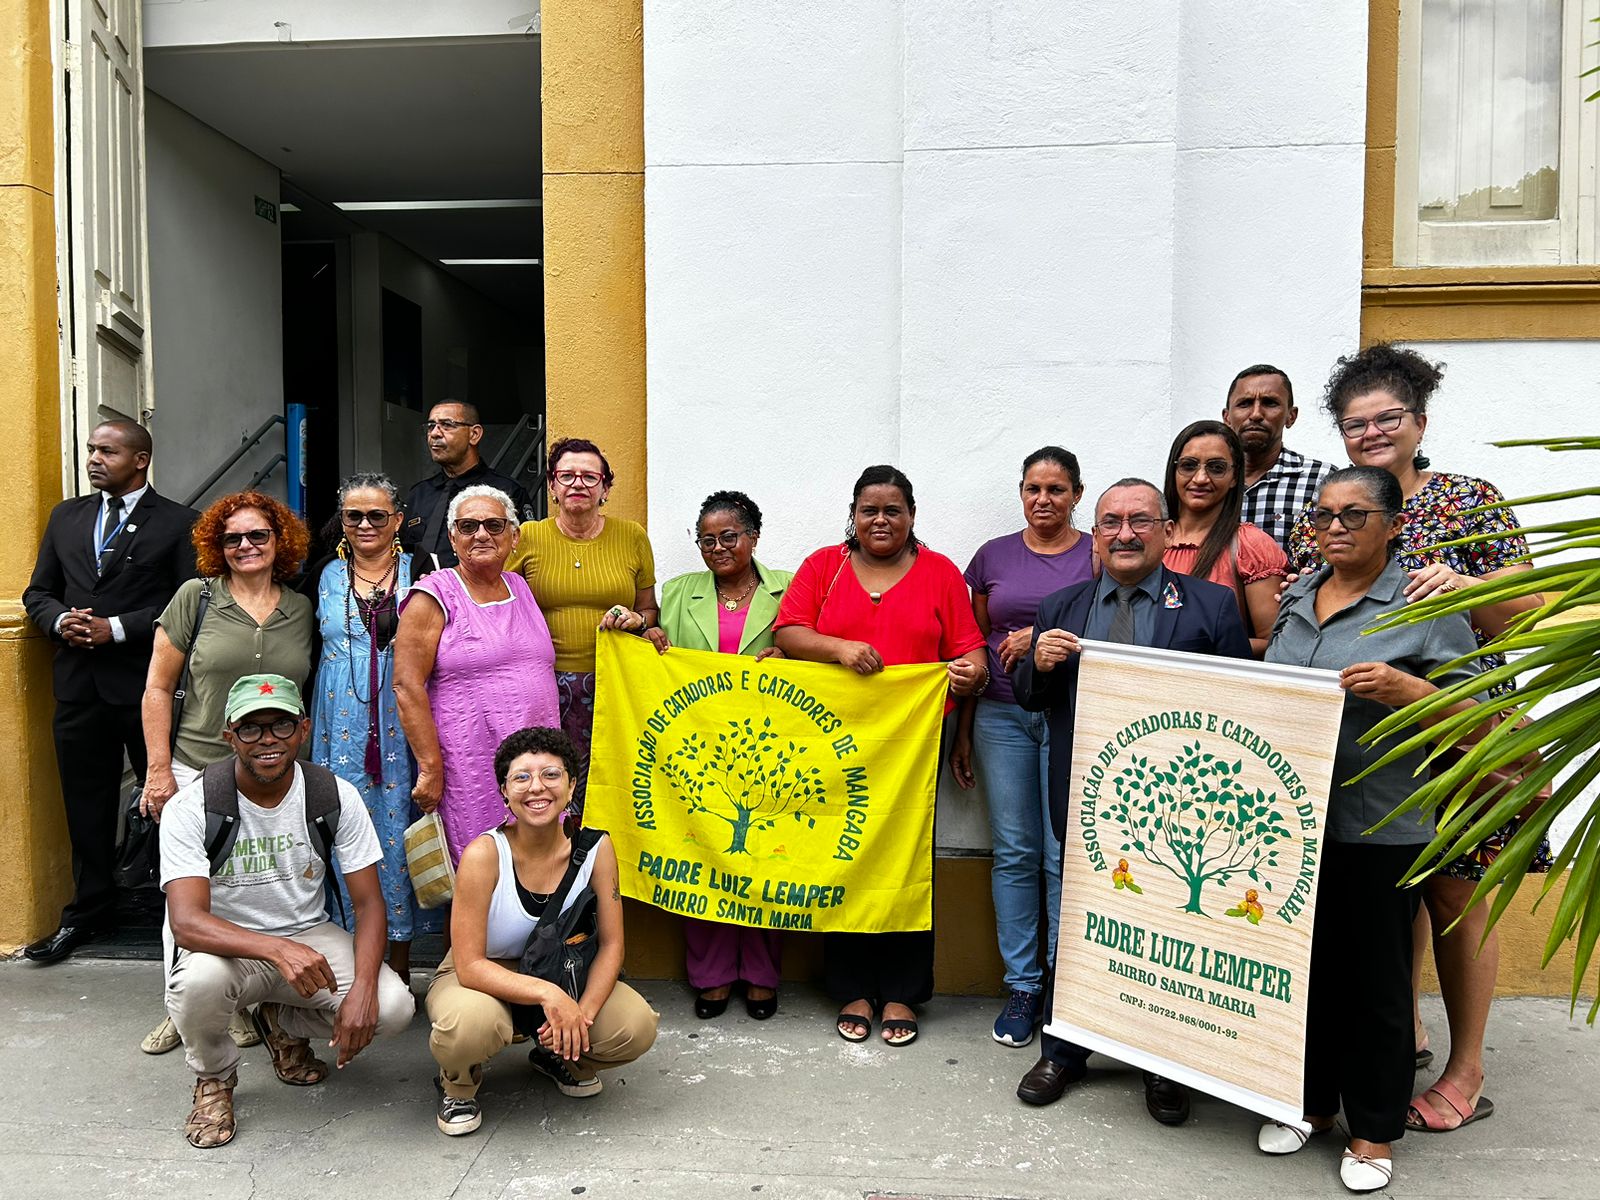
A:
(245, 852)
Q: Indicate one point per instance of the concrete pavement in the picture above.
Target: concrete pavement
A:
(726, 1108)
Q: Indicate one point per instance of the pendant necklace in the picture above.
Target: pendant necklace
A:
(732, 605)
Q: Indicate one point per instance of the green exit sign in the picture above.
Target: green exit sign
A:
(266, 210)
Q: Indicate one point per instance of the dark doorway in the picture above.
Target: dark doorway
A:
(311, 364)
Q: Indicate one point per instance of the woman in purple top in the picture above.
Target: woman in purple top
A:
(1009, 749)
(473, 664)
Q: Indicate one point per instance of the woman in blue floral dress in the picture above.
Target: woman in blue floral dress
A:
(1378, 400)
(355, 729)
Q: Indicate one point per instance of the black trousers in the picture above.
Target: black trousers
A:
(883, 967)
(91, 738)
(1360, 1044)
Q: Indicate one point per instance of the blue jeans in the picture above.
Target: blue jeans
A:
(1011, 757)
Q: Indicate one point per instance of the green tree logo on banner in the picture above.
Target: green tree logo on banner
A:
(746, 778)
(1195, 819)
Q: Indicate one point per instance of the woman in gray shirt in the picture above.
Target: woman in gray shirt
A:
(1359, 1038)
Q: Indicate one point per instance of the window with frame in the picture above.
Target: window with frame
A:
(1496, 150)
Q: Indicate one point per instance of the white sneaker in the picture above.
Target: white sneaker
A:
(1278, 1137)
(1360, 1173)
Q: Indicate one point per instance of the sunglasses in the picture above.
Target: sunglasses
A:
(1214, 466)
(256, 537)
(281, 728)
(1351, 518)
(493, 526)
(376, 517)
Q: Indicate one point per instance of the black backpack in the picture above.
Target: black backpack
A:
(322, 816)
(563, 945)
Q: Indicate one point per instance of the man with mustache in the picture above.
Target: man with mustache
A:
(247, 919)
(1278, 482)
(1137, 601)
(454, 430)
(108, 565)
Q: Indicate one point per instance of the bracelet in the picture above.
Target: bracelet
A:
(987, 679)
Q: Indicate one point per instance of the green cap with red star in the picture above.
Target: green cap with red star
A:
(254, 693)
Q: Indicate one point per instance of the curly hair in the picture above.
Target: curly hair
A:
(576, 446)
(1404, 374)
(290, 534)
(534, 740)
(741, 506)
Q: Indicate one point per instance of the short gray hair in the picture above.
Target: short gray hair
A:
(482, 491)
(1135, 481)
(369, 479)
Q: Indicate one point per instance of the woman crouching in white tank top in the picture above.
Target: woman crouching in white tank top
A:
(503, 885)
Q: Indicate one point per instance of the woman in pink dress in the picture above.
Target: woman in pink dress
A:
(473, 664)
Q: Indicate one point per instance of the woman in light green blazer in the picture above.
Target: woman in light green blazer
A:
(728, 608)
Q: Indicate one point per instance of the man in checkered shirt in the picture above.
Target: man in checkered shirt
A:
(1278, 482)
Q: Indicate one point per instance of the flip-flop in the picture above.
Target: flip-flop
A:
(854, 1021)
(1424, 1059)
(898, 1031)
(1423, 1117)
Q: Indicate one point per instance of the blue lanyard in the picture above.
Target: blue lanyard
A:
(101, 546)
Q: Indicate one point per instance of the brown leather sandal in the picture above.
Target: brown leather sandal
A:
(292, 1059)
(210, 1122)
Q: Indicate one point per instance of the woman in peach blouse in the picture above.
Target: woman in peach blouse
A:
(1205, 492)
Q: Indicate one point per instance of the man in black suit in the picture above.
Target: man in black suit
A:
(1135, 600)
(454, 431)
(107, 567)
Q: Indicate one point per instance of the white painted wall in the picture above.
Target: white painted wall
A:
(216, 302)
(942, 234)
(225, 22)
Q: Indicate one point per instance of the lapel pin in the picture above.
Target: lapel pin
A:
(1170, 597)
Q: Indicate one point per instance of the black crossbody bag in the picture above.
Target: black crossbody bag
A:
(564, 944)
(139, 858)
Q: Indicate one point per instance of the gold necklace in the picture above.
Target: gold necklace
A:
(577, 561)
(732, 605)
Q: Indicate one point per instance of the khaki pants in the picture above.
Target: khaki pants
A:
(470, 1028)
(204, 990)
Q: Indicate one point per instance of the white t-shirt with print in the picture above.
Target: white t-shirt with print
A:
(272, 882)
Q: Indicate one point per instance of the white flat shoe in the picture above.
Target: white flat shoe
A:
(162, 1038)
(1278, 1137)
(1362, 1174)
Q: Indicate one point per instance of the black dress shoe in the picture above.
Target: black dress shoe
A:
(760, 1010)
(57, 946)
(1167, 1101)
(1046, 1080)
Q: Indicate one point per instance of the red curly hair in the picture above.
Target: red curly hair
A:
(291, 537)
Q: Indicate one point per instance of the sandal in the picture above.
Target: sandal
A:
(210, 1123)
(853, 1021)
(162, 1038)
(898, 1031)
(1423, 1117)
(292, 1059)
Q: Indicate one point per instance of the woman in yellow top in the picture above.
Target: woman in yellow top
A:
(587, 571)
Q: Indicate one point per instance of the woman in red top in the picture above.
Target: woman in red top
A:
(882, 599)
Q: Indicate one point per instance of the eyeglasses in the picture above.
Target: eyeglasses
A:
(727, 539)
(1351, 518)
(523, 780)
(282, 728)
(1215, 467)
(376, 517)
(1385, 422)
(446, 424)
(587, 478)
(1111, 525)
(469, 526)
(256, 537)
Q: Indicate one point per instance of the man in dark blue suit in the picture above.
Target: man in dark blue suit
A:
(107, 566)
(1138, 601)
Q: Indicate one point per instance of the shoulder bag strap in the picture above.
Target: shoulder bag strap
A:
(581, 845)
(182, 692)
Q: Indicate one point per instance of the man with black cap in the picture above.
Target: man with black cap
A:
(245, 852)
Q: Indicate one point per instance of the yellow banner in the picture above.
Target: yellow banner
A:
(779, 794)
(1189, 881)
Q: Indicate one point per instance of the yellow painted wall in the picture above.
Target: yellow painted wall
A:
(593, 133)
(35, 865)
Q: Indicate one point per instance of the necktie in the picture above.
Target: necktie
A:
(109, 532)
(1122, 619)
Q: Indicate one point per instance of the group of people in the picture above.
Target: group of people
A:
(448, 649)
